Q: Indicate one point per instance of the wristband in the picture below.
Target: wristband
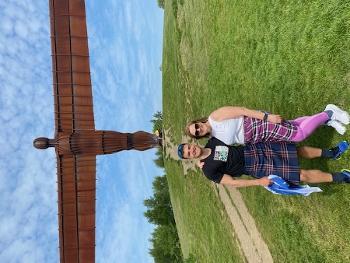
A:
(266, 115)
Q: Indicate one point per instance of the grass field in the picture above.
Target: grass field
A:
(287, 57)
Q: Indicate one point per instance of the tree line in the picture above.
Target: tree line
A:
(161, 3)
(165, 240)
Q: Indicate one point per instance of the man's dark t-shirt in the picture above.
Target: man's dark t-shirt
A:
(223, 159)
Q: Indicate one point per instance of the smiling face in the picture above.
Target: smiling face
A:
(198, 129)
(191, 151)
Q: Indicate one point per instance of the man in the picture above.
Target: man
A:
(221, 163)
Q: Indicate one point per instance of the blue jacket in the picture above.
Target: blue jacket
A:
(281, 187)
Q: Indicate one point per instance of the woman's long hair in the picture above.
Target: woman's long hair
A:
(187, 129)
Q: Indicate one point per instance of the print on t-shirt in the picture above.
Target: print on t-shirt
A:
(221, 153)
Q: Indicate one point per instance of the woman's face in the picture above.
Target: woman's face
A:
(198, 129)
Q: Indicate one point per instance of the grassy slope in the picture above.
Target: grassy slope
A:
(203, 227)
(288, 57)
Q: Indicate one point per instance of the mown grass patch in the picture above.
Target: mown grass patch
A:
(287, 57)
(203, 226)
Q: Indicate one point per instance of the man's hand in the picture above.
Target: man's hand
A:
(264, 181)
(200, 164)
(274, 118)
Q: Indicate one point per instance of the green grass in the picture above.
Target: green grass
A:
(203, 227)
(287, 57)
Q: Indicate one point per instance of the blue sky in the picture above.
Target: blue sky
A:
(125, 42)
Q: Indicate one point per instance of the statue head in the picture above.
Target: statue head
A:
(43, 143)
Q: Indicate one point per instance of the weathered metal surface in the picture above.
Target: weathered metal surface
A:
(76, 141)
(76, 174)
(70, 66)
(76, 179)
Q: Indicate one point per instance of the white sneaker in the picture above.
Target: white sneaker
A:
(338, 114)
(337, 126)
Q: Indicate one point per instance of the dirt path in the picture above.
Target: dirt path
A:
(251, 243)
(253, 246)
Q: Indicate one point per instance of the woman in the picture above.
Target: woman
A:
(239, 125)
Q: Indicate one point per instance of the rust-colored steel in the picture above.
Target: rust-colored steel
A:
(76, 207)
(76, 141)
(70, 65)
(103, 142)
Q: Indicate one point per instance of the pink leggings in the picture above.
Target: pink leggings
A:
(307, 124)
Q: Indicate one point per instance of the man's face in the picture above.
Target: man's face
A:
(191, 151)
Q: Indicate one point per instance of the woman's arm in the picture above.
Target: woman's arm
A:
(231, 112)
(228, 180)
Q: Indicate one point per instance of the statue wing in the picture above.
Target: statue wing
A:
(70, 64)
(76, 179)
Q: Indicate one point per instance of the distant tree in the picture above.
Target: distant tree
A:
(166, 245)
(159, 161)
(165, 240)
(161, 3)
(157, 121)
(159, 209)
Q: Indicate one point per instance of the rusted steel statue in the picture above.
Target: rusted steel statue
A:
(76, 141)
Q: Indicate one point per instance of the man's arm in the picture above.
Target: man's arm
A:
(228, 180)
(230, 112)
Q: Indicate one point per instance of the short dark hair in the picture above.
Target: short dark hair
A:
(180, 150)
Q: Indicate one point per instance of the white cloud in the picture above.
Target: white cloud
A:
(121, 68)
(21, 29)
(27, 209)
(6, 26)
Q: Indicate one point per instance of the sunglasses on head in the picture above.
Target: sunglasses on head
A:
(196, 128)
